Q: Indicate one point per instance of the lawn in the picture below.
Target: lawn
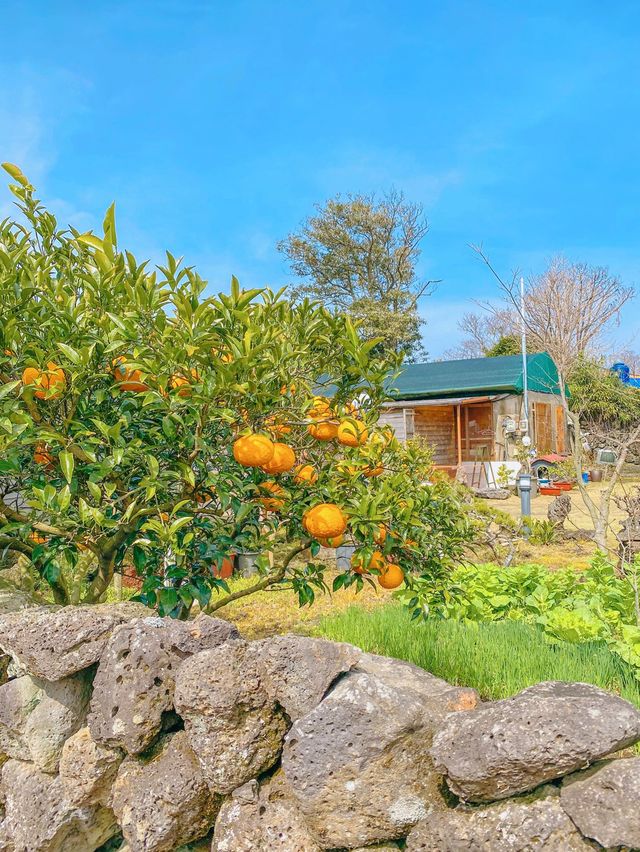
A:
(497, 658)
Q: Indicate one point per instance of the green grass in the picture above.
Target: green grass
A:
(497, 658)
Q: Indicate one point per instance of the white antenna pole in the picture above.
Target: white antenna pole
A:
(525, 376)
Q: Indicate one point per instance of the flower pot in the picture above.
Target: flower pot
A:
(595, 475)
(550, 491)
(247, 563)
(224, 570)
(563, 486)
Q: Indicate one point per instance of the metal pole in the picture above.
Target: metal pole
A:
(525, 375)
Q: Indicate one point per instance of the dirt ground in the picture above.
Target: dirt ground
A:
(566, 553)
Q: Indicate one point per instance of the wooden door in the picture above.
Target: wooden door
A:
(561, 431)
(542, 426)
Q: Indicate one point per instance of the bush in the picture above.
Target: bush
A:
(498, 658)
(123, 393)
(567, 605)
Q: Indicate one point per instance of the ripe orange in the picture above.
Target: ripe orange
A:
(253, 450)
(277, 426)
(325, 520)
(381, 536)
(164, 516)
(41, 455)
(283, 459)
(320, 407)
(127, 379)
(326, 430)
(361, 565)
(52, 378)
(36, 538)
(391, 576)
(352, 433)
(201, 497)
(183, 383)
(348, 469)
(306, 473)
(275, 502)
(335, 541)
(373, 471)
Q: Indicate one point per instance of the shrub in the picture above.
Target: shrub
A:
(144, 422)
(567, 605)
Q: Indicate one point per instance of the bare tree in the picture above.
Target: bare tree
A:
(566, 311)
(483, 331)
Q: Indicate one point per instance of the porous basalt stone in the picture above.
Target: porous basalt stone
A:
(39, 817)
(604, 803)
(298, 670)
(88, 769)
(37, 716)
(164, 802)
(544, 732)
(233, 725)
(262, 816)
(135, 681)
(52, 644)
(505, 827)
(358, 764)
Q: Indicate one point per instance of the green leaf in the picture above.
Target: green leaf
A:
(7, 388)
(67, 464)
(91, 240)
(64, 498)
(70, 352)
(95, 490)
(16, 174)
(51, 572)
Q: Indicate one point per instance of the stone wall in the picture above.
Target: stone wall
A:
(122, 730)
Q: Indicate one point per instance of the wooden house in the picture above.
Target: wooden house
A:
(472, 410)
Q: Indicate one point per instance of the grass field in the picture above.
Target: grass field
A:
(497, 658)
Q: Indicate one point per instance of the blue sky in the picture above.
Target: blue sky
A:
(216, 126)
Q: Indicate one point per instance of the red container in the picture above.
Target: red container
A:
(551, 492)
(225, 570)
(563, 486)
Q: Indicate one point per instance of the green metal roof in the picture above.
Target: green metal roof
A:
(475, 376)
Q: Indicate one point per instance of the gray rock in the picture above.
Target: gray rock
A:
(88, 769)
(604, 802)
(52, 644)
(544, 732)
(134, 683)
(163, 802)
(233, 725)
(440, 695)
(511, 826)
(37, 716)
(262, 817)
(299, 670)
(359, 765)
(379, 847)
(39, 818)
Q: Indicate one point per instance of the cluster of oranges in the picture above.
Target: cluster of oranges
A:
(48, 384)
(325, 522)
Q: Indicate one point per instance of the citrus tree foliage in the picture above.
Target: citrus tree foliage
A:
(123, 394)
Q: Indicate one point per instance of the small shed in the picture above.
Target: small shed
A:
(472, 410)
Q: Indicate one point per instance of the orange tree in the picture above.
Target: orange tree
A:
(144, 423)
